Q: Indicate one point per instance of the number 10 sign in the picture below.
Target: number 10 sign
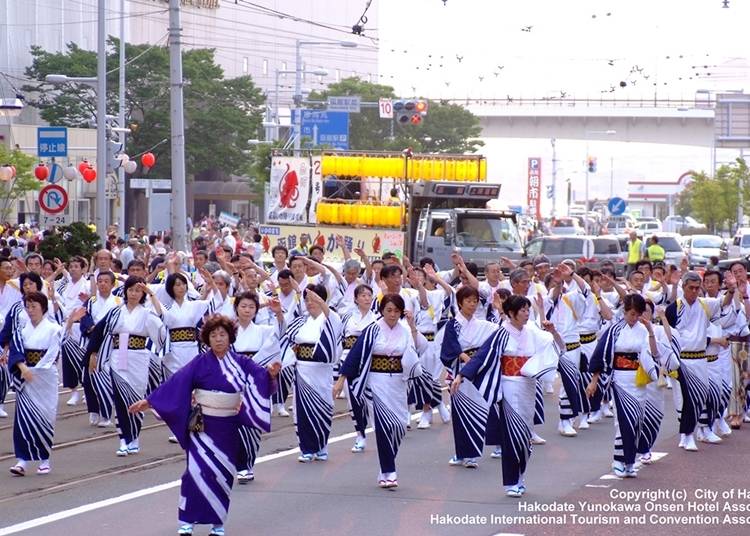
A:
(386, 108)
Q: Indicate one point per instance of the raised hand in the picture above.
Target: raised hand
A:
(548, 326)
(275, 305)
(274, 369)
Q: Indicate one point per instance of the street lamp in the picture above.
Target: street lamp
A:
(298, 84)
(276, 123)
(11, 107)
(587, 134)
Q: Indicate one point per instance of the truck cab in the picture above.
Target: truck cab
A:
(459, 223)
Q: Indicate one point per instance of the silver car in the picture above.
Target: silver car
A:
(700, 248)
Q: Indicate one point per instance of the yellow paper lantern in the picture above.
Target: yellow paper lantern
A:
(450, 170)
(328, 165)
(483, 169)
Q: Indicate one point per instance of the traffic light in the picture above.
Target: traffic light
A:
(591, 164)
(410, 111)
(114, 148)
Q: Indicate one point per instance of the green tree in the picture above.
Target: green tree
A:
(23, 183)
(714, 200)
(68, 241)
(221, 115)
(447, 128)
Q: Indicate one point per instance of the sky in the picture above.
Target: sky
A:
(582, 49)
(480, 49)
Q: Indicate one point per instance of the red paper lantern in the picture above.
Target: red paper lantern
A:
(41, 172)
(83, 166)
(148, 160)
(89, 174)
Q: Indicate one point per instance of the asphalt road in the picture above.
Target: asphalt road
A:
(91, 491)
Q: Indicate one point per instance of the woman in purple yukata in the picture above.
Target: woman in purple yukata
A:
(232, 390)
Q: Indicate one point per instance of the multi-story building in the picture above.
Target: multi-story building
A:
(255, 38)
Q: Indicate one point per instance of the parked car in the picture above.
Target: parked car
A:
(559, 248)
(648, 228)
(700, 248)
(682, 225)
(607, 248)
(740, 245)
(565, 226)
(673, 252)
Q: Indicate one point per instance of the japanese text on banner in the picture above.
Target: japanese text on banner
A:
(534, 187)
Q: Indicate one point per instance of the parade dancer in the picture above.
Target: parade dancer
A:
(354, 323)
(595, 312)
(97, 385)
(119, 341)
(505, 372)
(425, 391)
(665, 350)
(314, 341)
(33, 363)
(10, 294)
(691, 316)
(229, 391)
(74, 292)
(564, 308)
(622, 350)
(382, 361)
(181, 319)
(261, 344)
(463, 336)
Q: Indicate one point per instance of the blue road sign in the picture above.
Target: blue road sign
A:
(617, 206)
(325, 128)
(51, 142)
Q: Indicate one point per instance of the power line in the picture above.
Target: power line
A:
(129, 16)
(164, 37)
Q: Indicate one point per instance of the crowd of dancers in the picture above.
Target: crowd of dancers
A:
(217, 345)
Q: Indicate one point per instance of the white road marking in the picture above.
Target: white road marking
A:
(58, 516)
(597, 486)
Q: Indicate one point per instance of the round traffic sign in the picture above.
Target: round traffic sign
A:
(53, 199)
(617, 206)
(55, 173)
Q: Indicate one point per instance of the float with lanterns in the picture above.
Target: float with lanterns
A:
(385, 202)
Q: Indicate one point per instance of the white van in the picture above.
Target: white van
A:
(740, 245)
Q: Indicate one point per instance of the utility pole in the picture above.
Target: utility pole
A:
(298, 97)
(101, 125)
(740, 211)
(179, 209)
(121, 120)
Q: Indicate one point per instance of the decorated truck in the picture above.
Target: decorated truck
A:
(415, 205)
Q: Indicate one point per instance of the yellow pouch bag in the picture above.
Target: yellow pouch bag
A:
(641, 377)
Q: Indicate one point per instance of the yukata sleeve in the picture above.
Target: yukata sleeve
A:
(172, 400)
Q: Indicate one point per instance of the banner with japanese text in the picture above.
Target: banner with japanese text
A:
(374, 242)
(289, 190)
(533, 197)
(316, 191)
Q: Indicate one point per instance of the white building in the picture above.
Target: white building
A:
(254, 39)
